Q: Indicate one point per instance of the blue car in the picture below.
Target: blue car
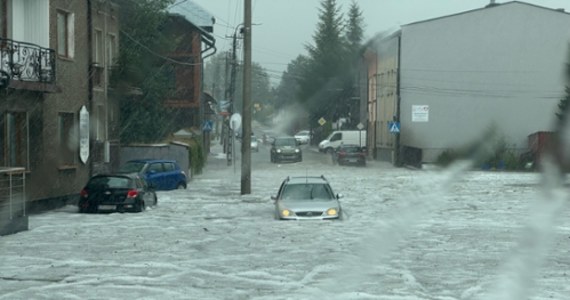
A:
(159, 173)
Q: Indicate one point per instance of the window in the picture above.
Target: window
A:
(65, 31)
(98, 47)
(98, 61)
(111, 49)
(68, 141)
(14, 139)
(156, 167)
(3, 19)
(100, 123)
(168, 167)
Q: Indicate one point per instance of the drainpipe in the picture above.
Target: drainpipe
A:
(90, 79)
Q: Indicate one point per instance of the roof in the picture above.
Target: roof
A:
(151, 160)
(491, 6)
(306, 179)
(194, 13)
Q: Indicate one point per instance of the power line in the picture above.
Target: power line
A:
(157, 54)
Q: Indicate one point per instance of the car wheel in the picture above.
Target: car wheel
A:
(329, 151)
(181, 186)
(139, 206)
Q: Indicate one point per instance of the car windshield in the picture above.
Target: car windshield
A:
(110, 182)
(285, 142)
(132, 167)
(301, 192)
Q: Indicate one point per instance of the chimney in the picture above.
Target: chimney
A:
(492, 3)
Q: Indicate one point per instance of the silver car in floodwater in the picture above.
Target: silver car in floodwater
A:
(306, 198)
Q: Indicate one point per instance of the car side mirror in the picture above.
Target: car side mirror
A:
(339, 196)
(274, 198)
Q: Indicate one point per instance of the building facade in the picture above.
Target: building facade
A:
(497, 68)
(46, 58)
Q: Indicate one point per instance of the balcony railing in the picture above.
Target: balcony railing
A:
(27, 62)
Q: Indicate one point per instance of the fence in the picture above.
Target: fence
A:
(13, 216)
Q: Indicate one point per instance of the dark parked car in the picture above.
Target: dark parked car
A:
(349, 154)
(302, 198)
(161, 174)
(116, 192)
(285, 149)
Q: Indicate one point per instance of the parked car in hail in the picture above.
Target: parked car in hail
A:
(285, 149)
(339, 137)
(346, 154)
(161, 174)
(303, 137)
(302, 198)
(116, 192)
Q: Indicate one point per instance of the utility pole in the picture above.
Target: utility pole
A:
(246, 114)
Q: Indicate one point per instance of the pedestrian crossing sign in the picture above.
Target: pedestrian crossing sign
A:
(394, 127)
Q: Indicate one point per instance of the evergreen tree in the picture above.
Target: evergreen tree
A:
(321, 84)
(355, 29)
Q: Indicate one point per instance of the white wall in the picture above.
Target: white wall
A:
(499, 66)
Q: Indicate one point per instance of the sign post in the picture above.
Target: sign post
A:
(83, 134)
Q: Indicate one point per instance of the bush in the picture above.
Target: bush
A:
(196, 153)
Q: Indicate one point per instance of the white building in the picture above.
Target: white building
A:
(501, 66)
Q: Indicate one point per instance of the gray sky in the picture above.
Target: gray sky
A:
(286, 26)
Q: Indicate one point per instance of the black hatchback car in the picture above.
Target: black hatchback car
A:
(116, 192)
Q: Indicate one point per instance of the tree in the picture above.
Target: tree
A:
(354, 36)
(323, 84)
(141, 66)
(355, 30)
(287, 93)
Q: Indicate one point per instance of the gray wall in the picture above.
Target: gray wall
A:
(174, 151)
(500, 66)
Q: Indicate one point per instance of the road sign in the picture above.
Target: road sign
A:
(83, 134)
(394, 127)
(322, 121)
(208, 125)
(235, 122)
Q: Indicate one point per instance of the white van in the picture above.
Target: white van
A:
(338, 137)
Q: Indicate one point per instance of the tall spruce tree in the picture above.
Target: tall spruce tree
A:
(321, 84)
(355, 29)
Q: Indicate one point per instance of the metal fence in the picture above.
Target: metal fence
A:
(13, 216)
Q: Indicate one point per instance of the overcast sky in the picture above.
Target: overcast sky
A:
(286, 26)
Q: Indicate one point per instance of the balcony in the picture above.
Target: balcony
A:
(26, 62)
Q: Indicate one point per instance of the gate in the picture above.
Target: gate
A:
(13, 217)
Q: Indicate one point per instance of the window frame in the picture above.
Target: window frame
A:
(68, 34)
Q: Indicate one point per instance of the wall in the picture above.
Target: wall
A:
(481, 69)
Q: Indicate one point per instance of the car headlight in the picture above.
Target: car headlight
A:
(297, 150)
(332, 212)
(286, 213)
(278, 150)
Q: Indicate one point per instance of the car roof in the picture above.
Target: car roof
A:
(123, 175)
(148, 160)
(307, 179)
